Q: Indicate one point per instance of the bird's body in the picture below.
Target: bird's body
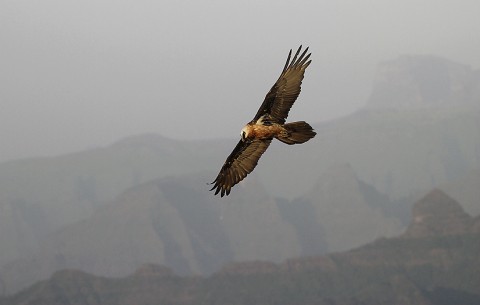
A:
(268, 123)
(257, 130)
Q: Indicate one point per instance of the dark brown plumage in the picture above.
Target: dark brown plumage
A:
(268, 123)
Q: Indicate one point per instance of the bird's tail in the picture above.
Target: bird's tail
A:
(297, 133)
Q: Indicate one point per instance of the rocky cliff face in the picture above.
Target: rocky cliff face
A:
(169, 221)
(431, 267)
(438, 214)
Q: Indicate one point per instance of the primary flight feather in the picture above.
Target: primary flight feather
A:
(268, 123)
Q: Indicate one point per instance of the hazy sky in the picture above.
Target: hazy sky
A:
(79, 74)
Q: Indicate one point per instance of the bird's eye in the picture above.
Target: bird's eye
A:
(243, 135)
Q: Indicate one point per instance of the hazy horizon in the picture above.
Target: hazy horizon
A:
(83, 74)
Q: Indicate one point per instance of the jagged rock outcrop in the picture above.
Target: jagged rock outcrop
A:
(438, 214)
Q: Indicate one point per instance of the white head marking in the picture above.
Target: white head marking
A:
(244, 133)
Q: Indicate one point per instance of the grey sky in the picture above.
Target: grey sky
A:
(77, 74)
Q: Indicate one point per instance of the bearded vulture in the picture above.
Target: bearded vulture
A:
(268, 123)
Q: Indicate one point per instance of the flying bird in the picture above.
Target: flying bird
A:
(268, 123)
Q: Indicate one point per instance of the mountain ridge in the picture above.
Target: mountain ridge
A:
(408, 269)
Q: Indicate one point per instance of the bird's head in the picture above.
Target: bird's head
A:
(244, 133)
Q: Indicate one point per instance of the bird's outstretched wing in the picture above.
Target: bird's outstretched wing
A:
(239, 164)
(286, 89)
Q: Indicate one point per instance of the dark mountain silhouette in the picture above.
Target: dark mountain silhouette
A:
(437, 268)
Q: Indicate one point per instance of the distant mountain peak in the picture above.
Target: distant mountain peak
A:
(424, 81)
(438, 214)
(142, 140)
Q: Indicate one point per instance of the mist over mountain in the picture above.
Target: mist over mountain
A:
(172, 221)
(432, 267)
(345, 208)
(409, 136)
(424, 81)
(145, 199)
